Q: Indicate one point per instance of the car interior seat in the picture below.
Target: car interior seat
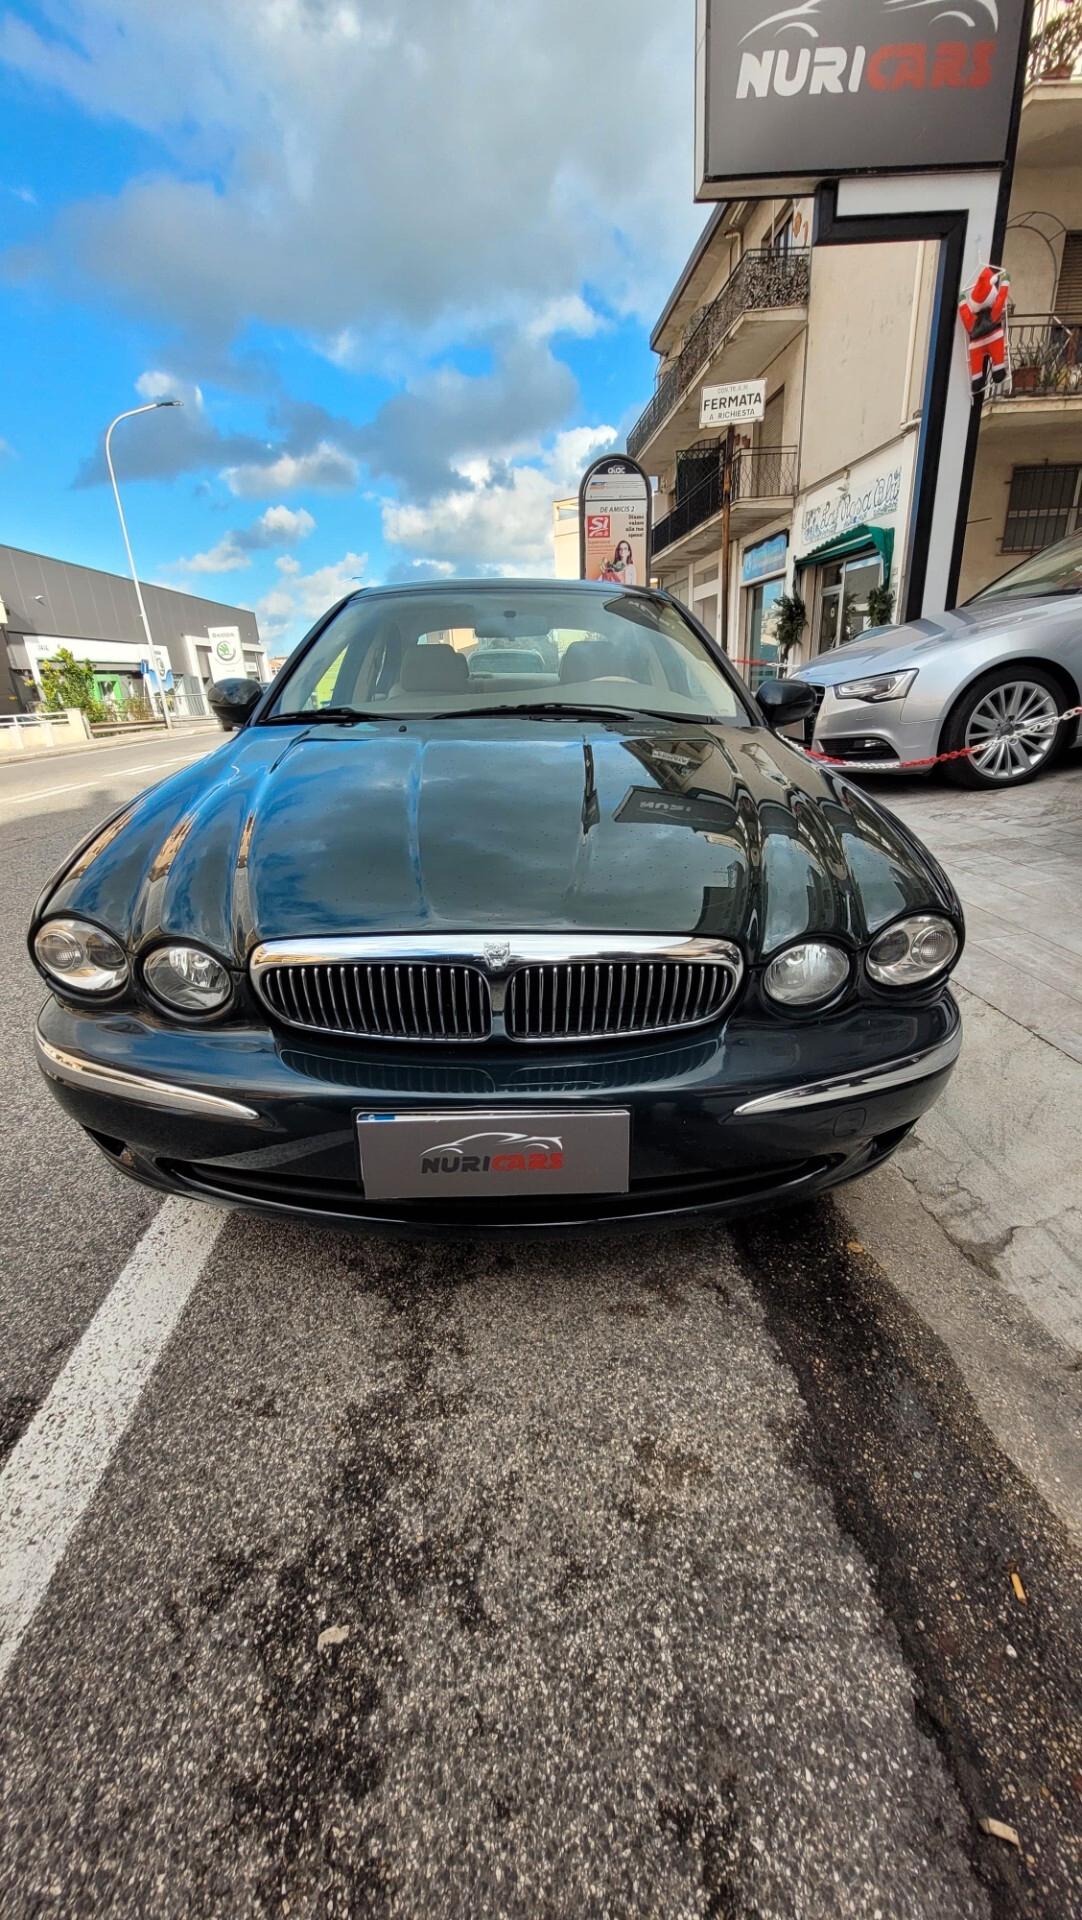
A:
(433, 669)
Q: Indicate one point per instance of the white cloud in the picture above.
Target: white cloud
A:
(26, 194)
(568, 313)
(283, 524)
(278, 526)
(498, 519)
(300, 597)
(226, 557)
(173, 440)
(325, 466)
(7, 451)
(354, 172)
(154, 384)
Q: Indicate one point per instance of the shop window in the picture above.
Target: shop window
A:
(760, 631)
(782, 240)
(844, 586)
(1045, 504)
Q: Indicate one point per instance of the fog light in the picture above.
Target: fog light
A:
(75, 954)
(186, 979)
(913, 951)
(804, 975)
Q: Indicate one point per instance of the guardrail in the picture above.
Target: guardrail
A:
(759, 473)
(763, 279)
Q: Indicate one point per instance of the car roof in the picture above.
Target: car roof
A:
(415, 588)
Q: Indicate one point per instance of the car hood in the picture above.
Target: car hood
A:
(885, 649)
(507, 825)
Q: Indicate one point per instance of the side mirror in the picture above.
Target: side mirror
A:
(232, 701)
(783, 702)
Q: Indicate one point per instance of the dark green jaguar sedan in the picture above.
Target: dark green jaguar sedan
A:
(425, 947)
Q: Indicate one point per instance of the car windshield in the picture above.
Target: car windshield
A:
(508, 647)
(1057, 570)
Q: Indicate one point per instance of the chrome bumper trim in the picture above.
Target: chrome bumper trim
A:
(499, 957)
(855, 1086)
(75, 1071)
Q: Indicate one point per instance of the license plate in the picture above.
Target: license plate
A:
(482, 1156)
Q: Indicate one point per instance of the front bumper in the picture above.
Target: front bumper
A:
(721, 1123)
(878, 732)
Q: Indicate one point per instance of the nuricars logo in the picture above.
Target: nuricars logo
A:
(794, 66)
(496, 1153)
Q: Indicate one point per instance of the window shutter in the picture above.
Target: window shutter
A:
(1069, 290)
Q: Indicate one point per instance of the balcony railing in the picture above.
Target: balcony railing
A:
(765, 278)
(767, 473)
(1046, 357)
(1055, 47)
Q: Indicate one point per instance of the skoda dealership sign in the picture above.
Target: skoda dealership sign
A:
(790, 95)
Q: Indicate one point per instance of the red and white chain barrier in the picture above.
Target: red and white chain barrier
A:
(936, 759)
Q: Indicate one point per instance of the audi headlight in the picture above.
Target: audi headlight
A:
(912, 951)
(878, 686)
(75, 954)
(187, 979)
(804, 975)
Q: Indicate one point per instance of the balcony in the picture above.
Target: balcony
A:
(1041, 417)
(764, 483)
(1051, 127)
(760, 309)
(1055, 47)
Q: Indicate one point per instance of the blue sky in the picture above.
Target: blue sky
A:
(398, 262)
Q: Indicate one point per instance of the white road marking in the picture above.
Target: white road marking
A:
(57, 1465)
(120, 773)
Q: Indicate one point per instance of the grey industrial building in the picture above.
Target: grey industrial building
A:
(46, 604)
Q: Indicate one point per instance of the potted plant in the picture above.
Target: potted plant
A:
(1055, 51)
(880, 605)
(790, 619)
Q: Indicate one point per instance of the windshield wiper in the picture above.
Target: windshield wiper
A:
(572, 710)
(319, 714)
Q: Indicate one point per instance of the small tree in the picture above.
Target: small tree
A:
(68, 682)
(880, 605)
(790, 619)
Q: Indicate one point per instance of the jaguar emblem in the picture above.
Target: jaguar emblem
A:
(496, 953)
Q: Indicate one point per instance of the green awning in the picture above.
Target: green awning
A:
(854, 540)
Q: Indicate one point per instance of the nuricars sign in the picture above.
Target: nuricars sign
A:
(789, 95)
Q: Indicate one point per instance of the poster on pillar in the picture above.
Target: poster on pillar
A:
(614, 522)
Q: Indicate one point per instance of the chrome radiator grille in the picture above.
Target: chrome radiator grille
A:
(603, 999)
(530, 987)
(408, 1001)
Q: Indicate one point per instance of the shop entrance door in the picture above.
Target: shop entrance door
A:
(843, 599)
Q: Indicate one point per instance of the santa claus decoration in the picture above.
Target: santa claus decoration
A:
(983, 314)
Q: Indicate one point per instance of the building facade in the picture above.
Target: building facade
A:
(565, 538)
(822, 486)
(48, 604)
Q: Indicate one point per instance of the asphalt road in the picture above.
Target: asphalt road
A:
(668, 1577)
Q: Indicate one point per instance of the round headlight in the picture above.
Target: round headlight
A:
(804, 975)
(912, 951)
(77, 955)
(186, 979)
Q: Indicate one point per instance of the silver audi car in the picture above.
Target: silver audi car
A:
(995, 676)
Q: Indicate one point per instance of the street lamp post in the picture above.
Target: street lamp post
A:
(151, 407)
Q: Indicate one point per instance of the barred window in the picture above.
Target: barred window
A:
(1045, 504)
